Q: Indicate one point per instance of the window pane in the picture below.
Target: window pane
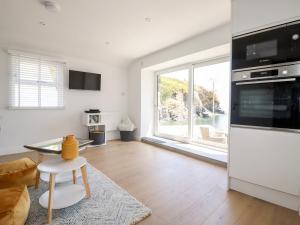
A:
(28, 95)
(49, 73)
(211, 104)
(14, 95)
(29, 69)
(49, 96)
(173, 103)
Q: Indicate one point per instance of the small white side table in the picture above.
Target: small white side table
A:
(66, 194)
(53, 147)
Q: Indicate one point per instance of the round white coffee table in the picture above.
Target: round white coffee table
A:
(66, 194)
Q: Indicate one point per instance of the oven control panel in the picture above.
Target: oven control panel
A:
(264, 73)
(273, 72)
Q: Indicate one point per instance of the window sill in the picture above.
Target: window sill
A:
(202, 153)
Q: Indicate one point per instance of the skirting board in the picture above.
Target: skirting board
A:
(266, 194)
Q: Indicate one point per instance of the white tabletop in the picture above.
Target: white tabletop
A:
(60, 165)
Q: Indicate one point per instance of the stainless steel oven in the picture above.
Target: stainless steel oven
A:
(275, 45)
(267, 98)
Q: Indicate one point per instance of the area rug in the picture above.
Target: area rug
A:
(109, 205)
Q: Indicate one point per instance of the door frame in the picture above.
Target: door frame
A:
(190, 67)
(156, 114)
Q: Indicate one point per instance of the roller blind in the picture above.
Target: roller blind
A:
(35, 82)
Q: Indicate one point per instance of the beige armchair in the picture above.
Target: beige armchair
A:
(209, 133)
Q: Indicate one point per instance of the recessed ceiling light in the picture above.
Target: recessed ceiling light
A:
(148, 19)
(42, 23)
(51, 5)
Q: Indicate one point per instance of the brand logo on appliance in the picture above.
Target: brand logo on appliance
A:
(264, 60)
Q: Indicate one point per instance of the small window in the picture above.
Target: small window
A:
(35, 82)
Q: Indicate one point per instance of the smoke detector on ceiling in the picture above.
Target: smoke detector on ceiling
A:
(51, 5)
(148, 19)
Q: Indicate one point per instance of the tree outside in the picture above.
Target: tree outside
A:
(174, 96)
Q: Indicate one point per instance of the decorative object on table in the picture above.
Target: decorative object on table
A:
(70, 148)
(15, 204)
(17, 172)
(127, 129)
(66, 194)
(109, 204)
(93, 120)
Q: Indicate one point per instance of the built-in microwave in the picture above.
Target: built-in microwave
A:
(274, 45)
(266, 98)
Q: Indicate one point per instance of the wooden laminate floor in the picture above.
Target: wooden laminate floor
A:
(180, 190)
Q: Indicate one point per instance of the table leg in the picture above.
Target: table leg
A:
(38, 173)
(74, 177)
(50, 199)
(85, 181)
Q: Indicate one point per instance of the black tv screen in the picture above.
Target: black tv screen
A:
(84, 80)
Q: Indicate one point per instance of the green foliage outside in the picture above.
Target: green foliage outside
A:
(171, 86)
(173, 100)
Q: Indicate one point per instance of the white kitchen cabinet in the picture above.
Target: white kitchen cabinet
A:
(250, 15)
(267, 158)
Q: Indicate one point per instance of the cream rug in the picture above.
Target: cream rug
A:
(109, 205)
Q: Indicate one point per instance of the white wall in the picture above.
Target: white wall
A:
(147, 103)
(134, 94)
(256, 14)
(216, 37)
(19, 127)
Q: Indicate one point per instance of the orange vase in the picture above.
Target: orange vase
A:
(70, 148)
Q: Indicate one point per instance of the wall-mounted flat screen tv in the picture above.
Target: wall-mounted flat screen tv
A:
(84, 80)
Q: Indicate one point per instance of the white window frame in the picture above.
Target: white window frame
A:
(59, 83)
(190, 67)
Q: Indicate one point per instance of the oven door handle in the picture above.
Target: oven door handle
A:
(266, 81)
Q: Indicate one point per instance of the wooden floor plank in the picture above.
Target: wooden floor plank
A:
(230, 211)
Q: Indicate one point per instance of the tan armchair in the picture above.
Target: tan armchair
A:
(208, 133)
(15, 176)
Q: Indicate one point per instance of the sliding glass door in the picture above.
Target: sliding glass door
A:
(172, 102)
(193, 103)
(211, 104)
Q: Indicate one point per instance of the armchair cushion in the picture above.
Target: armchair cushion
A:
(15, 204)
(14, 173)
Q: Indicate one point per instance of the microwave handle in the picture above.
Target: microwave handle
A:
(266, 81)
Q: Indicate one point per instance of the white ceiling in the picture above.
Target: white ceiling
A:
(82, 27)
